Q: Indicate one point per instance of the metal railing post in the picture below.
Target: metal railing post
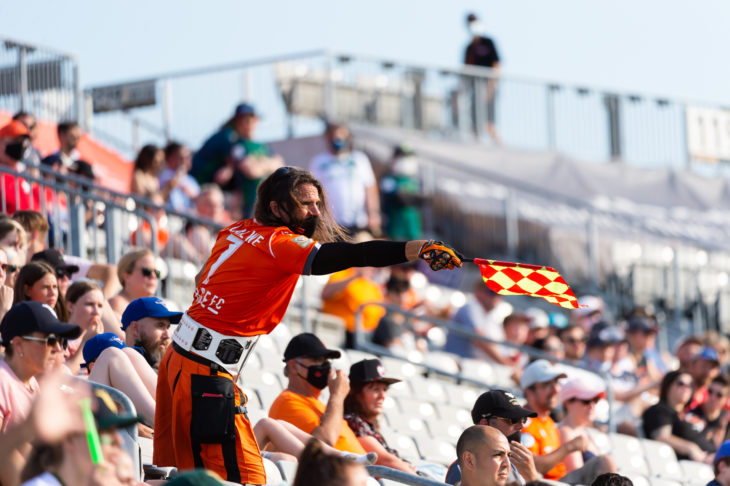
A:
(23, 78)
(113, 227)
(77, 229)
(511, 223)
(614, 124)
(592, 250)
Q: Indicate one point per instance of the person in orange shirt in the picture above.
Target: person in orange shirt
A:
(243, 291)
(541, 385)
(309, 372)
(343, 295)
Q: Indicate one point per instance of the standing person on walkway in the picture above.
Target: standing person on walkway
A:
(243, 291)
(482, 52)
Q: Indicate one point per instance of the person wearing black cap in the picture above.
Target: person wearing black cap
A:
(309, 371)
(501, 410)
(63, 271)
(363, 407)
(243, 291)
(34, 340)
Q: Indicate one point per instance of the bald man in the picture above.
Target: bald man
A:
(483, 455)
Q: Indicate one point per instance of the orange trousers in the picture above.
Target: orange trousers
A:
(199, 421)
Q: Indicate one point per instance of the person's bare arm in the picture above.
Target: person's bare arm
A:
(111, 317)
(681, 446)
(546, 462)
(254, 167)
(330, 425)
(372, 205)
(574, 460)
(105, 273)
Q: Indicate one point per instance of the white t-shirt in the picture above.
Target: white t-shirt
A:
(345, 179)
(15, 398)
(45, 479)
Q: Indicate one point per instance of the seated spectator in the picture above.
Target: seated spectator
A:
(347, 290)
(69, 135)
(36, 229)
(552, 346)
(540, 383)
(516, 329)
(721, 466)
(711, 419)
(483, 314)
(721, 344)
(501, 410)
(146, 322)
(139, 277)
(483, 454)
(13, 268)
(686, 349)
(348, 179)
(85, 304)
(579, 397)
(318, 467)
(177, 188)
(63, 270)
(14, 146)
(112, 363)
(363, 408)
(145, 176)
(394, 330)
(14, 237)
(663, 422)
(34, 341)
(704, 366)
(309, 371)
(612, 479)
(643, 358)
(589, 313)
(37, 281)
(197, 240)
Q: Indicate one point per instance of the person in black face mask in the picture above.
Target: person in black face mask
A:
(14, 145)
(309, 371)
(501, 410)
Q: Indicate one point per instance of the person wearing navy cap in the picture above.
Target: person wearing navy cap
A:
(34, 341)
(721, 466)
(146, 322)
(704, 366)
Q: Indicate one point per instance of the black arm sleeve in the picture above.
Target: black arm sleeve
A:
(333, 257)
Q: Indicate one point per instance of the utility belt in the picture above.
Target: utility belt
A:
(229, 352)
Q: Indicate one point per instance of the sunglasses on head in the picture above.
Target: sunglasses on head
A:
(50, 340)
(147, 272)
(9, 268)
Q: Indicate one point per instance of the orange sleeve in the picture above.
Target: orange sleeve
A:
(291, 408)
(292, 252)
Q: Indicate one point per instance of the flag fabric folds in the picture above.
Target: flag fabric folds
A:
(507, 278)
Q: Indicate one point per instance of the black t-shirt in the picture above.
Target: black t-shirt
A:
(661, 414)
(481, 52)
(705, 427)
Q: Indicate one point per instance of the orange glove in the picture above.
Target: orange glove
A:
(439, 256)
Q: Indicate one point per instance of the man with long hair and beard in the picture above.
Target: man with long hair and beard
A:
(243, 291)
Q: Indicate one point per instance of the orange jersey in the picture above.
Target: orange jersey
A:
(249, 278)
(348, 301)
(547, 439)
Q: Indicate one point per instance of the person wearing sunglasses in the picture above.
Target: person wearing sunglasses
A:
(664, 422)
(34, 340)
(6, 292)
(579, 397)
(501, 410)
(243, 291)
(711, 418)
(139, 277)
(541, 384)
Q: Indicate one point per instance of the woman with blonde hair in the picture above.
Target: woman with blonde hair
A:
(13, 236)
(139, 277)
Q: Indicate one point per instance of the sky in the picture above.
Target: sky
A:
(671, 48)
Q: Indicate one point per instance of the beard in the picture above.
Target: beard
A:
(307, 226)
(515, 436)
(154, 350)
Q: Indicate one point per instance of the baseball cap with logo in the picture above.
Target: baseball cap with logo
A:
(499, 403)
(368, 371)
(307, 344)
(29, 316)
(97, 344)
(148, 307)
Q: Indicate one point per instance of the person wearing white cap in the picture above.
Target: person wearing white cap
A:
(579, 397)
(541, 385)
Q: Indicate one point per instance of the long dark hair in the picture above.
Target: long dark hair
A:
(667, 383)
(28, 275)
(279, 187)
(146, 158)
(354, 406)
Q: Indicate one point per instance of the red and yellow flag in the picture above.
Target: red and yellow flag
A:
(507, 278)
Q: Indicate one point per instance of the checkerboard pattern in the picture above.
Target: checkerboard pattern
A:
(507, 278)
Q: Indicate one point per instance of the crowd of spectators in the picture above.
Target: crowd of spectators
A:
(65, 316)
